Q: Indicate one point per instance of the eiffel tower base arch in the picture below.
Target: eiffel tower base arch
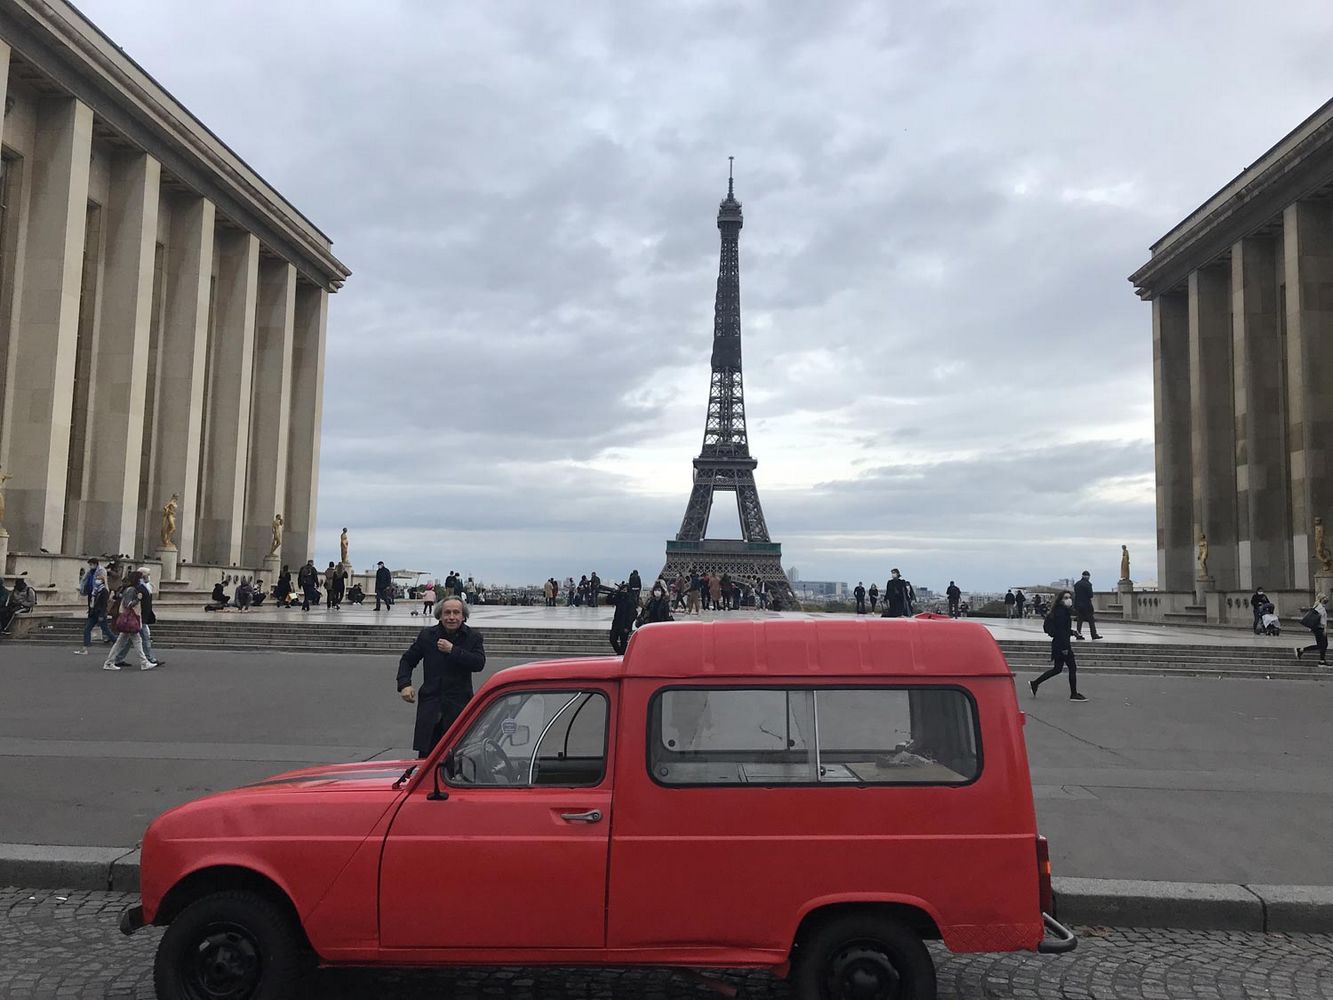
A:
(743, 561)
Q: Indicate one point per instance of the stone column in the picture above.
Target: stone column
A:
(43, 374)
(223, 504)
(1262, 504)
(1212, 419)
(266, 492)
(1307, 230)
(1171, 405)
(116, 424)
(182, 352)
(312, 306)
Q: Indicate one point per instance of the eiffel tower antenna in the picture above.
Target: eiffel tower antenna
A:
(724, 463)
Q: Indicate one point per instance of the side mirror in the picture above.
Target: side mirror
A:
(438, 794)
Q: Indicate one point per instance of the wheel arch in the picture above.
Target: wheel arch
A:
(222, 878)
(913, 912)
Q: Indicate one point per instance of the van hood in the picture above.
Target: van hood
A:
(359, 777)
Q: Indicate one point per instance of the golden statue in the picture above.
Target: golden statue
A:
(169, 522)
(1203, 556)
(3, 477)
(277, 536)
(1321, 549)
(342, 547)
(1124, 562)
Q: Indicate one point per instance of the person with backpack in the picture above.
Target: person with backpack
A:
(1316, 620)
(1059, 625)
(99, 599)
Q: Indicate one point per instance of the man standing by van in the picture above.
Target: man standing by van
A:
(452, 652)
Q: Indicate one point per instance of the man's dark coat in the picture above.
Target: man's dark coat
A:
(446, 679)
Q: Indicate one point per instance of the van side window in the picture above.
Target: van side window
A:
(531, 738)
(766, 736)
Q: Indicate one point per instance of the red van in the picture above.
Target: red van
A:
(816, 798)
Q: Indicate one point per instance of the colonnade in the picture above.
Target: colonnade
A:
(1243, 380)
(151, 347)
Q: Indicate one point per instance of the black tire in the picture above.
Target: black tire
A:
(866, 957)
(233, 945)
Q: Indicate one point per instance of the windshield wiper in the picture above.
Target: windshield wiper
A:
(404, 776)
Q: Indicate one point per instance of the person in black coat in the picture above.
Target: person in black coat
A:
(860, 594)
(383, 587)
(897, 597)
(658, 608)
(635, 585)
(1059, 626)
(452, 652)
(622, 621)
(1083, 605)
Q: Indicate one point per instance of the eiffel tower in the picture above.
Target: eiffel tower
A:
(724, 463)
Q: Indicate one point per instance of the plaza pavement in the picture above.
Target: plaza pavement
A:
(1159, 778)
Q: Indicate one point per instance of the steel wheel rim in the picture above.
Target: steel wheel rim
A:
(863, 971)
(224, 964)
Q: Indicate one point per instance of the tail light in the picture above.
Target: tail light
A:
(1047, 896)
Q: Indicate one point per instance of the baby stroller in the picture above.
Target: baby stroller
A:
(1268, 620)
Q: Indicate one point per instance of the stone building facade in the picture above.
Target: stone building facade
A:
(162, 315)
(1242, 333)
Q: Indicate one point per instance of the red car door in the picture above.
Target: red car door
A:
(516, 855)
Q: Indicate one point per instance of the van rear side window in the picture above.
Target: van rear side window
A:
(842, 735)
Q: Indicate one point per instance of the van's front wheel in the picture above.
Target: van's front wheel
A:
(228, 946)
(863, 957)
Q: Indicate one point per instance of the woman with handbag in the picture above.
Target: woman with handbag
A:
(128, 624)
(1316, 620)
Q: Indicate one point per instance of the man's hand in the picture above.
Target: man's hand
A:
(408, 695)
(444, 645)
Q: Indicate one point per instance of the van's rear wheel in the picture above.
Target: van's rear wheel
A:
(229, 946)
(863, 957)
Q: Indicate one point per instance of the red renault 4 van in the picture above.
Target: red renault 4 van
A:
(818, 798)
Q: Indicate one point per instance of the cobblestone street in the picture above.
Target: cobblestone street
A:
(66, 945)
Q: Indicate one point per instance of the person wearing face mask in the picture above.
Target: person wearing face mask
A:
(1059, 626)
(658, 608)
(897, 597)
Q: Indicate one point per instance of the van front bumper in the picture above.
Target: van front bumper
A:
(1059, 938)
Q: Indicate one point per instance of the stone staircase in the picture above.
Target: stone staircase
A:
(299, 635)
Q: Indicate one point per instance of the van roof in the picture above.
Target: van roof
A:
(804, 647)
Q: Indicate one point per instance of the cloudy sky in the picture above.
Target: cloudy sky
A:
(945, 367)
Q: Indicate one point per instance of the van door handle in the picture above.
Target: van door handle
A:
(591, 816)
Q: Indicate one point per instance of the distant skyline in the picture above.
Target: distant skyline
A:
(946, 368)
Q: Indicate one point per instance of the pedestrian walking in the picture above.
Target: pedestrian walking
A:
(635, 586)
(1020, 602)
(330, 576)
(1059, 627)
(98, 601)
(383, 587)
(1009, 604)
(147, 617)
(658, 608)
(1257, 600)
(860, 594)
(696, 592)
(1083, 606)
(451, 652)
(897, 596)
(715, 591)
(307, 578)
(128, 625)
(1316, 620)
(873, 594)
(955, 597)
(428, 600)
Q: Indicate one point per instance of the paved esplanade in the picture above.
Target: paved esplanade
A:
(66, 945)
(1214, 780)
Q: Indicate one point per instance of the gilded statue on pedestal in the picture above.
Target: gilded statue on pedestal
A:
(1321, 549)
(1203, 556)
(169, 522)
(1124, 562)
(342, 547)
(277, 536)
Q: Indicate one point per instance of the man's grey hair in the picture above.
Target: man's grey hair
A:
(439, 608)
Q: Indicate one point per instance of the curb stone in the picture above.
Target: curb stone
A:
(1080, 901)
